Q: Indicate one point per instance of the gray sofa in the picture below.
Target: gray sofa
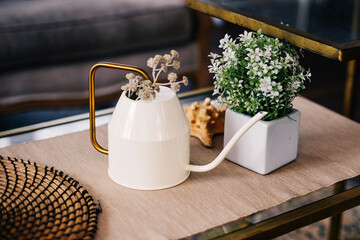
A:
(48, 46)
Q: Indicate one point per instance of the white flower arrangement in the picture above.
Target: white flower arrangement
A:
(138, 88)
(257, 73)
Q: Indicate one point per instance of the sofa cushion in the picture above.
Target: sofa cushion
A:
(67, 84)
(45, 30)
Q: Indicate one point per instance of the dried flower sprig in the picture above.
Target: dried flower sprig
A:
(138, 88)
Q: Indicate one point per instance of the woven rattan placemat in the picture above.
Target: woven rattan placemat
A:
(42, 203)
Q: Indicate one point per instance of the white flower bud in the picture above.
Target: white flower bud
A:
(175, 87)
(167, 58)
(151, 62)
(185, 80)
(172, 77)
(130, 76)
(163, 67)
(176, 65)
(174, 53)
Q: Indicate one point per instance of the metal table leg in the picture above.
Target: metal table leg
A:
(335, 220)
(350, 88)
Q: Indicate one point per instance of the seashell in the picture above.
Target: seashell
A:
(206, 119)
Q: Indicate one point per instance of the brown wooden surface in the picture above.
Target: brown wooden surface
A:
(328, 153)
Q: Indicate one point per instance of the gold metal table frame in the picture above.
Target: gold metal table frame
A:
(342, 52)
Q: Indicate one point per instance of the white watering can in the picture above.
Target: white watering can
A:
(149, 142)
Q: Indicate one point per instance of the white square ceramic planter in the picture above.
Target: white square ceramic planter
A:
(266, 146)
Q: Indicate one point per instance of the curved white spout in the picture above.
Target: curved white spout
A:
(228, 147)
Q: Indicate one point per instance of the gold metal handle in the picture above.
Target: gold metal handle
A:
(92, 96)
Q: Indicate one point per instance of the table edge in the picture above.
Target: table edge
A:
(313, 43)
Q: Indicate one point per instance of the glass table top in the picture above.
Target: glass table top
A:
(314, 25)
